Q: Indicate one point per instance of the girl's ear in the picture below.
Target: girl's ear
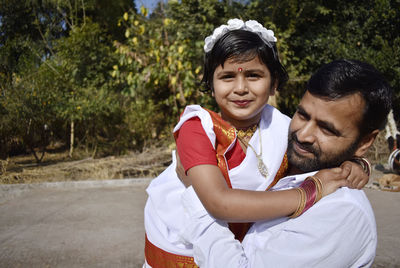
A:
(273, 88)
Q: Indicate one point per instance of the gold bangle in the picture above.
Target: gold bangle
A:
(302, 203)
(319, 185)
(368, 168)
(364, 163)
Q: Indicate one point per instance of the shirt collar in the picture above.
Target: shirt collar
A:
(291, 181)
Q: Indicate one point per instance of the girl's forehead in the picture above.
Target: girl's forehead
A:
(255, 61)
(243, 58)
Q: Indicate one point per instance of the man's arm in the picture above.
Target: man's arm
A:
(214, 245)
(331, 234)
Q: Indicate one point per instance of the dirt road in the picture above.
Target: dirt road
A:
(100, 224)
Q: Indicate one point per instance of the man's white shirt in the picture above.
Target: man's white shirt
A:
(338, 231)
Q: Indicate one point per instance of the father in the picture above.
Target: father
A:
(338, 118)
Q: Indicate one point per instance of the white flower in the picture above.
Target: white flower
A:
(237, 24)
(254, 26)
(269, 36)
(218, 32)
(208, 44)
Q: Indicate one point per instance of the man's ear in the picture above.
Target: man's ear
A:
(365, 143)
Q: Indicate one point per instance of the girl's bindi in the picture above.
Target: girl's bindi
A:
(240, 69)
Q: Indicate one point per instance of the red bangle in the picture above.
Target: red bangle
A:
(311, 193)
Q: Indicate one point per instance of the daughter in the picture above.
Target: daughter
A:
(232, 158)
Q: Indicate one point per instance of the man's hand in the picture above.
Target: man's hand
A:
(181, 172)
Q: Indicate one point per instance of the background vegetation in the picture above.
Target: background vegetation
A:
(109, 77)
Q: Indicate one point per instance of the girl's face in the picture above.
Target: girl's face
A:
(242, 90)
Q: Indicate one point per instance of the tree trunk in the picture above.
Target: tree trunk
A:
(71, 144)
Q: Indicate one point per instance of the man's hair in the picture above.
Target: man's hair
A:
(242, 46)
(341, 78)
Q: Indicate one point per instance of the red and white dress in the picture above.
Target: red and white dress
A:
(202, 137)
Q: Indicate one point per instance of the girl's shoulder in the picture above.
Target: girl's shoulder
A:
(191, 111)
(205, 120)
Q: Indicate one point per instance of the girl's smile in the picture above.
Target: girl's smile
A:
(242, 103)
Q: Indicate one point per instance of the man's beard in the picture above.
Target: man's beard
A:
(321, 159)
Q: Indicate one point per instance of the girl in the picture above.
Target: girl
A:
(232, 158)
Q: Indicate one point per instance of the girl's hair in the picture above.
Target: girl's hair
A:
(242, 46)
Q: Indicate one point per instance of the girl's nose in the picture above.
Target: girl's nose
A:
(241, 85)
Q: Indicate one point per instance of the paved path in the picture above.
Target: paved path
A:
(74, 226)
(100, 224)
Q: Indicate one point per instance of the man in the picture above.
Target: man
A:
(338, 118)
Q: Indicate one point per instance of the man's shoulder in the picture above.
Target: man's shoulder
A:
(347, 195)
(350, 200)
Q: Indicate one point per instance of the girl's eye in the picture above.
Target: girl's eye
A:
(253, 75)
(227, 76)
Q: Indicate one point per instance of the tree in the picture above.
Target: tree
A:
(87, 97)
(311, 33)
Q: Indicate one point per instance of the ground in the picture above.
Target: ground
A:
(57, 166)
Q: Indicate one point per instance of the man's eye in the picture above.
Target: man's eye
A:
(301, 116)
(328, 131)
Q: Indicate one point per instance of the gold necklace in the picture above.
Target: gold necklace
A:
(260, 163)
(248, 133)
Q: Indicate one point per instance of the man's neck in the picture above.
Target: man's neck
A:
(294, 170)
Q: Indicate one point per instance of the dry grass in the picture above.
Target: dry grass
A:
(150, 163)
(58, 167)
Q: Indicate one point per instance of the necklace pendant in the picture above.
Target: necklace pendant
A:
(262, 167)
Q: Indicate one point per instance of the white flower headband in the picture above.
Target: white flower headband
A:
(236, 24)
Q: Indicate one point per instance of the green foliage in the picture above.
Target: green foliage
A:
(123, 77)
(87, 95)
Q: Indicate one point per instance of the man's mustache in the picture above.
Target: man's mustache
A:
(304, 145)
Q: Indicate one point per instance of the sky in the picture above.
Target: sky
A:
(150, 4)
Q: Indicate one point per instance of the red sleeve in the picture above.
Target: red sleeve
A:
(193, 145)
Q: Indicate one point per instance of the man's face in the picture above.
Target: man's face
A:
(324, 133)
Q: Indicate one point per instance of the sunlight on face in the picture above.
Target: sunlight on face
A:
(241, 91)
(323, 133)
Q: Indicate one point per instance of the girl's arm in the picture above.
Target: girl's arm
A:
(234, 205)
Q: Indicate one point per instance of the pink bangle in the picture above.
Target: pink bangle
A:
(311, 193)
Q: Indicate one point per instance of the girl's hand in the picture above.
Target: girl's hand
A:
(357, 178)
(333, 178)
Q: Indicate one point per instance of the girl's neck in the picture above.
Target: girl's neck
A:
(247, 128)
(243, 124)
(247, 133)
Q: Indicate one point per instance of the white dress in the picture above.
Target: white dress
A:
(164, 213)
